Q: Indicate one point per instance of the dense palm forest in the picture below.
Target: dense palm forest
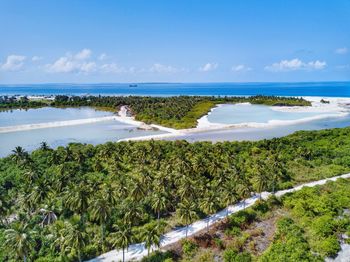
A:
(11, 102)
(176, 112)
(75, 202)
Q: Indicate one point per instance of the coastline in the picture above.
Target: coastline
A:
(337, 108)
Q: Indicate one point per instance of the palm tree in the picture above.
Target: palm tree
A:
(122, 237)
(158, 203)
(101, 210)
(137, 191)
(132, 213)
(208, 205)
(19, 240)
(73, 238)
(276, 169)
(150, 234)
(4, 207)
(44, 146)
(244, 190)
(19, 155)
(230, 195)
(187, 212)
(49, 216)
(77, 199)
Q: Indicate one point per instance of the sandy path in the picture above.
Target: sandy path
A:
(138, 251)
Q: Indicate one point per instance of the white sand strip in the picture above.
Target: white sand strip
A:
(138, 251)
(7, 129)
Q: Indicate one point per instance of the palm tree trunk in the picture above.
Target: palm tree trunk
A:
(208, 220)
(102, 237)
(158, 215)
(186, 229)
(123, 254)
(227, 212)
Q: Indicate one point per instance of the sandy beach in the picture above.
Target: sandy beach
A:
(337, 107)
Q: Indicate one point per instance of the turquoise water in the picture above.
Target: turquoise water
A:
(93, 133)
(331, 89)
(47, 114)
(246, 113)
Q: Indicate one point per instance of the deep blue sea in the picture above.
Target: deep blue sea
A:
(330, 89)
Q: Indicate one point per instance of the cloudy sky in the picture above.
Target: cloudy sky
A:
(175, 41)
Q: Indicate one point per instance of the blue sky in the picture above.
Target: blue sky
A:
(176, 41)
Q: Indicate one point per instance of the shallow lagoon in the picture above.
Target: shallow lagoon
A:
(92, 133)
(247, 113)
(96, 133)
(47, 114)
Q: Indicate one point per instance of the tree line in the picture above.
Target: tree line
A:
(177, 111)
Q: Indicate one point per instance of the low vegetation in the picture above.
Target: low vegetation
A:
(78, 201)
(308, 225)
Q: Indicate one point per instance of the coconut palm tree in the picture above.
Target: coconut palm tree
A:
(74, 238)
(159, 203)
(101, 210)
(49, 216)
(187, 212)
(230, 195)
(77, 199)
(122, 237)
(133, 212)
(150, 234)
(244, 190)
(208, 205)
(19, 240)
(19, 155)
(44, 146)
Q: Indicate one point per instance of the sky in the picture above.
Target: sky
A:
(99, 41)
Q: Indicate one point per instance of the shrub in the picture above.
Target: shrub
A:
(233, 256)
(189, 248)
(159, 256)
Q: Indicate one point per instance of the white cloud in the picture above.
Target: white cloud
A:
(88, 67)
(36, 58)
(160, 68)
(208, 67)
(112, 68)
(341, 51)
(296, 64)
(241, 68)
(73, 63)
(102, 56)
(13, 63)
(83, 54)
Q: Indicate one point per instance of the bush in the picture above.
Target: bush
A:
(159, 256)
(189, 248)
(327, 247)
(233, 256)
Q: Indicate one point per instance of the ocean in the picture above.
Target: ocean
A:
(327, 89)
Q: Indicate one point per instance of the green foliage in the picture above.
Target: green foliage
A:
(231, 255)
(159, 256)
(189, 248)
(289, 244)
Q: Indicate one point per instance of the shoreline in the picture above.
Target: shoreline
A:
(337, 108)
